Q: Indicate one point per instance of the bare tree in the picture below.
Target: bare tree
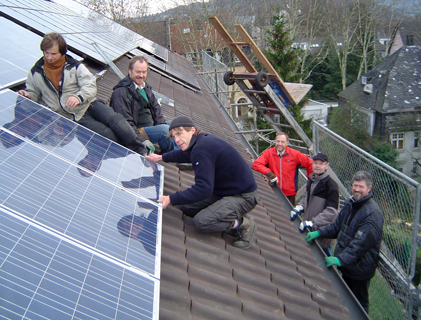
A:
(307, 22)
(341, 31)
(120, 11)
(373, 17)
(191, 30)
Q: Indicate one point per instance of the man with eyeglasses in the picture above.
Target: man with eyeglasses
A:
(133, 98)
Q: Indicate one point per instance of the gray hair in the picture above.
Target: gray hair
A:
(363, 176)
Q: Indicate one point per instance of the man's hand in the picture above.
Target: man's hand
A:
(312, 235)
(273, 179)
(165, 200)
(25, 94)
(305, 224)
(149, 145)
(297, 210)
(154, 157)
(72, 102)
(330, 261)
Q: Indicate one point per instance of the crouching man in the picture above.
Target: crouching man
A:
(224, 190)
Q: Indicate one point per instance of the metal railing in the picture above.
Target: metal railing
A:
(213, 75)
(392, 293)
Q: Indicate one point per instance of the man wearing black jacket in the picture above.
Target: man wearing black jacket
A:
(358, 230)
(224, 189)
(133, 98)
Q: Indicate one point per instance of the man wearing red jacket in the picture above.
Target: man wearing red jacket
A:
(280, 165)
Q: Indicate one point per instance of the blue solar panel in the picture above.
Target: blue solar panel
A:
(19, 49)
(80, 228)
(47, 16)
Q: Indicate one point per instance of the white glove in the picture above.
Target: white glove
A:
(273, 181)
(297, 210)
(305, 224)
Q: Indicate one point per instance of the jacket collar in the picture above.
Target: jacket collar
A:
(130, 85)
(70, 63)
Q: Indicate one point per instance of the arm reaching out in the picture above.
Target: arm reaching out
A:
(154, 157)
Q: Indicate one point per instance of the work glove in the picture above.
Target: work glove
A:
(330, 261)
(149, 145)
(297, 210)
(273, 179)
(305, 224)
(312, 235)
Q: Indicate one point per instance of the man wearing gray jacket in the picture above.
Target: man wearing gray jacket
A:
(67, 87)
(321, 201)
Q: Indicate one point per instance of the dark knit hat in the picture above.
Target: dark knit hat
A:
(320, 156)
(181, 121)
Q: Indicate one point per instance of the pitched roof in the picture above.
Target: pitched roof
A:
(395, 84)
(202, 275)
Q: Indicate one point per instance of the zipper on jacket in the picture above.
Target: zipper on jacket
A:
(60, 92)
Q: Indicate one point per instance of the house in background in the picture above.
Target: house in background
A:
(96, 272)
(389, 99)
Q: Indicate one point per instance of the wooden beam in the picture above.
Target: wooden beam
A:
(232, 44)
(264, 61)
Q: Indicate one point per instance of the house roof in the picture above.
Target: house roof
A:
(202, 275)
(392, 86)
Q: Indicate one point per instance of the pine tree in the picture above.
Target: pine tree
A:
(281, 54)
(284, 59)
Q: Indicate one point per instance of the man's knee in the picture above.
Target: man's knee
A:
(204, 223)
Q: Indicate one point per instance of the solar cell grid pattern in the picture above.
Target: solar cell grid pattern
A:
(79, 32)
(19, 49)
(80, 228)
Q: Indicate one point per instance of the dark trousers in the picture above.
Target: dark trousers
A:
(103, 120)
(291, 199)
(218, 214)
(360, 290)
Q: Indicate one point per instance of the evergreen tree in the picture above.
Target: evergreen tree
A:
(280, 54)
(284, 60)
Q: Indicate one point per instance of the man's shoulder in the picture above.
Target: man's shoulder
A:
(270, 151)
(37, 67)
(72, 62)
(330, 182)
(206, 141)
(296, 153)
(374, 206)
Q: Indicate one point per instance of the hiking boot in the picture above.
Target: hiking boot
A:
(245, 233)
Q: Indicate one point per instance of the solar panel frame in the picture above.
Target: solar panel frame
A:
(43, 188)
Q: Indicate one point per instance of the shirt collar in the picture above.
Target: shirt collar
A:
(281, 153)
(142, 86)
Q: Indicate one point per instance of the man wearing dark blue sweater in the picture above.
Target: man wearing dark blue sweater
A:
(224, 190)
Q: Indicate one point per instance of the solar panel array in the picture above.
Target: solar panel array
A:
(19, 49)
(127, 34)
(79, 222)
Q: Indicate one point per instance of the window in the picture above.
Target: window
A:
(397, 140)
(409, 40)
(417, 136)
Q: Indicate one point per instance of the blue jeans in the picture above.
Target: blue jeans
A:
(159, 134)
